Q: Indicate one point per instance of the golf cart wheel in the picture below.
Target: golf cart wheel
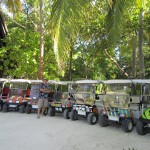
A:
(127, 125)
(5, 108)
(51, 111)
(66, 114)
(73, 115)
(28, 109)
(103, 121)
(92, 118)
(141, 130)
(22, 109)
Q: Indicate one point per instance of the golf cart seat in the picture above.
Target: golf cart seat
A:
(80, 101)
(28, 92)
(51, 96)
(60, 96)
(5, 93)
(21, 92)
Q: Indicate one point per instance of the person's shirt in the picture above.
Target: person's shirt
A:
(44, 86)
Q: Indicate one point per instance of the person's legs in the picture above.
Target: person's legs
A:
(40, 105)
(45, 105)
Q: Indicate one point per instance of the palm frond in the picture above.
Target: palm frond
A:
(64, 27)
(114, 19)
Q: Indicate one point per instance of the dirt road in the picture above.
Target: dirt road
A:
(25, 132)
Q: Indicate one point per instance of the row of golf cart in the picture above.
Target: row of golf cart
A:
(121, 102)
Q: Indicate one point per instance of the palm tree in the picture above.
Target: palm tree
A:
(118, 7)
(65, 14)
(41, 39)
(64, 25)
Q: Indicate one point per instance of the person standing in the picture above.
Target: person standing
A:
(44, 90)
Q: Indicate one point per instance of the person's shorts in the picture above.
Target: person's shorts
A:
(42, 103)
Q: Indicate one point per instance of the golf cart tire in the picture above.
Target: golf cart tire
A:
(5, 108)
(92, 118)
(66, 114)
(103, 121)
(73, 115)
(51, 111)
(140, 128)
(22, 109)
(127, 125)
(28, 109)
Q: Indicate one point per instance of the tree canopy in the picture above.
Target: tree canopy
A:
(82, 39)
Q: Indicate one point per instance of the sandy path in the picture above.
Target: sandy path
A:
(25, 132)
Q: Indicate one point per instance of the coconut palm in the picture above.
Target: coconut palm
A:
(64, 25)
(115, 20)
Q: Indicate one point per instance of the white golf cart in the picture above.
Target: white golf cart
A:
(3, 92)
(85, 100)
(63, 99)
(32, 105)
(116, 108)
(143, 123)
(16, 99)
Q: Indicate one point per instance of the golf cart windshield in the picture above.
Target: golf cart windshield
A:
(118, 89)
(146, 94)
(60, 96)
(34, 92)
(18, 88)
(85, 92)
(117, 93)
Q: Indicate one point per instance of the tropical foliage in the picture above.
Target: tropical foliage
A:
(82, 39)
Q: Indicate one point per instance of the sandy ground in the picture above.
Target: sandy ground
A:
(25, 132)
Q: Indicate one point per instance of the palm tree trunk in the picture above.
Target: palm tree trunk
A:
(116, 64)
(141, 55)
(41, 39)
(70, 66)
(134, 58)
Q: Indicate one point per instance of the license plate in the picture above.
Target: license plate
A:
(12, 106)
(80, 112)
(34, 106)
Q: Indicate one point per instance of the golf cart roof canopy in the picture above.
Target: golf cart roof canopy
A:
(118, 81)
(63, 82)
(141, 81)
(87, 82)
(3, 80)
(35, 81)
(19, 81)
